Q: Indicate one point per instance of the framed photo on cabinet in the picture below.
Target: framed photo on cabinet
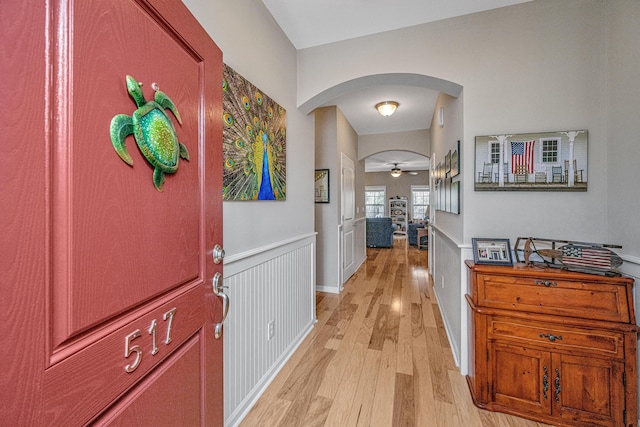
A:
(492, 251)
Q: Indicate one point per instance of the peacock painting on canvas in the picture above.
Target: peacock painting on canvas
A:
(254, 142)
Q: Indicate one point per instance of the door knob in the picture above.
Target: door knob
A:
(218, 254)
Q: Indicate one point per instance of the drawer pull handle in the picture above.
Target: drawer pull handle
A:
(557, 382)
(552, 338)
(546, 283)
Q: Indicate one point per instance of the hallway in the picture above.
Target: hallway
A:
(378, 356)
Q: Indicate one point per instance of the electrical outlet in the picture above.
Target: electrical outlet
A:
(271, 329)
(442, 284)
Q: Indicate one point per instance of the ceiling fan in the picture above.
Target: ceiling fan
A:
(396, 172)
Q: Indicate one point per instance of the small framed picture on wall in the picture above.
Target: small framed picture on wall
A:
(322, 186)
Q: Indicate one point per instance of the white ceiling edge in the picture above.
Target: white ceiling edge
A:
(309, 23)
(406, 161)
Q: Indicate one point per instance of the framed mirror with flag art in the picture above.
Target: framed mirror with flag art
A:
(543, 161)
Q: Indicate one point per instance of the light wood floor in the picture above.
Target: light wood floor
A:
(378, 356)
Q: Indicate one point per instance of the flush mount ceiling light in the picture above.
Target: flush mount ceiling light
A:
(387, 108)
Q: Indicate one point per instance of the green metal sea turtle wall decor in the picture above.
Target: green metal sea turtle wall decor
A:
(153, 131)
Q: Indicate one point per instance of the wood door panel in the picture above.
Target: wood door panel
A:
(518, 378)
(91, 251)
(180, 399)
(118, 242)
(591, 389)
(125, 254)
(22, 169)
(92, 376)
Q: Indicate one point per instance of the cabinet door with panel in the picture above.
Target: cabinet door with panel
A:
(588, 389)
(520, 378)
(570, 387)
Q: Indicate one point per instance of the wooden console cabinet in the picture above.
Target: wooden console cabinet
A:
(553, 346)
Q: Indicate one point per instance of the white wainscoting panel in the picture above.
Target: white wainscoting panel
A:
(271, 284)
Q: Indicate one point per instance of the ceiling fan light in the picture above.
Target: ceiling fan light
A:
(387, 108)
(395, 172)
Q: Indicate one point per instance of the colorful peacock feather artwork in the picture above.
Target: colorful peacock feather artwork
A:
(254, 142)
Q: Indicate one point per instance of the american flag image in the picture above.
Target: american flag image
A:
(586, 257)
(522, 154)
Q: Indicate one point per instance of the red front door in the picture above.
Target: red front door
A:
(106, 289)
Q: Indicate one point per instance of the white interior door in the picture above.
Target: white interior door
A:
(347, 216)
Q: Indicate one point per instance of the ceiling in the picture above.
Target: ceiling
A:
(406, 161)
(309, 23)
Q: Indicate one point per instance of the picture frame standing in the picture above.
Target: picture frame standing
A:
(492, 251)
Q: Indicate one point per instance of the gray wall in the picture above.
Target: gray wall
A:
(270, 245)
(416, 141)
(400, 186)
(334, 135)
(623, 126)
(535, 66)
(255, 46)
(545, 65)
(327, 215)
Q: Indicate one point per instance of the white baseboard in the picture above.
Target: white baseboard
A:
(242, 410)
(328, 289)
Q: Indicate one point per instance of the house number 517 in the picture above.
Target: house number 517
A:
(136, 350)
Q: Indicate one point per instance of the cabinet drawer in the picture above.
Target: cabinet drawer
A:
(558, 337)
(598, 301)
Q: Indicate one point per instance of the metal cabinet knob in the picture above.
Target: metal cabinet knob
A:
(551, 337)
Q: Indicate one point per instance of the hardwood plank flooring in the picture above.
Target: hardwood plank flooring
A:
(378, 356)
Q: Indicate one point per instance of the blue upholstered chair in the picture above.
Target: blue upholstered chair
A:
(379, 233)
(412, 234)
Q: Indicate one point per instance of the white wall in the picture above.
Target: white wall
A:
(255, 46)
(334, 135)
(447, 229)
(270, 246)
(623, 114)
(400, 186)
(537, 66)
(445, 139)
(546, 65)
(328, 214)
(415, 141)
(623, 129)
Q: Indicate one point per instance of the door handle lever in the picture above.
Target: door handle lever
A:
(218, 290)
